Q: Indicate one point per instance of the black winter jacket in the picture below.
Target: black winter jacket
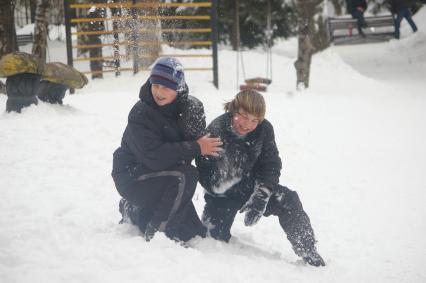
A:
(253, 157)
(351, 5)
(397, 5)
(158, 137)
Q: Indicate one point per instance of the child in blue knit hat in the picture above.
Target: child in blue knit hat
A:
(152, 168)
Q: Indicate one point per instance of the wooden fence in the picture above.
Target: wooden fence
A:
(122, 29)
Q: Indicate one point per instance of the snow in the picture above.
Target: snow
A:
(353, 147)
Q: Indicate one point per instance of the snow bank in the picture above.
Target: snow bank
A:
(352, 146)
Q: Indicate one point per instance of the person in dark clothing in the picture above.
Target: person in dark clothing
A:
(245, 177)
(152, 168)
(50, 92)
(20, 89)
(400, 9)
(23, 72)
(357, 8)
(57, 79)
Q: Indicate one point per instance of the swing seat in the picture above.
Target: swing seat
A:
(258, 83)
(259, 80)
(254, 86)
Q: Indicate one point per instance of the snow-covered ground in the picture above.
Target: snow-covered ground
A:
(353, 146)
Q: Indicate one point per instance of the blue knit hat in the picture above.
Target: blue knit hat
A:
(168, 72)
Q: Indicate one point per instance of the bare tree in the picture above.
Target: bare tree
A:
(337, 5)
(311, 38)
(8, 42)
(40, 30)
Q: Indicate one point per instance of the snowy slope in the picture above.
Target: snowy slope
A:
(352, 146)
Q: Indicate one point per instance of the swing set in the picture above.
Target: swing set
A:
(255, 83)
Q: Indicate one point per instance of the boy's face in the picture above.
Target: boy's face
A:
(244, 123)
(163, 95)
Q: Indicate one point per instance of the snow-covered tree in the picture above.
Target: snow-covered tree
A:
(40, 29)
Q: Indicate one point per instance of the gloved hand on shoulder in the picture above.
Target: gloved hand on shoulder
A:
(256, 205)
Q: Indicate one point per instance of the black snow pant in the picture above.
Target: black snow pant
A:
(359, 16)
(219, 214)
(164, 199)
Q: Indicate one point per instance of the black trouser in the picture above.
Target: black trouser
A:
(359, 16)
(164, 198)
(219, 214)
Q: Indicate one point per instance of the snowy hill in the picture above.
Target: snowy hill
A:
(353, 146)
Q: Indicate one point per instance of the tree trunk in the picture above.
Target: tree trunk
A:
(33, 8)
(40, 30)
(305, 48)
(337, 7)
(96, 66)
(8, 41)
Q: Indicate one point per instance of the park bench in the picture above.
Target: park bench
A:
(343, 30)
(24, 39)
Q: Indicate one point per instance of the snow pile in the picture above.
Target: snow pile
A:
(352, 146)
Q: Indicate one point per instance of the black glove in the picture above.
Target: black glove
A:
(256, 206)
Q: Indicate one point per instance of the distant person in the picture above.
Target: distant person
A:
(400, 9)
(23, 72)
(245, 177)
(152, 168)
(56, 80)
(357, 9)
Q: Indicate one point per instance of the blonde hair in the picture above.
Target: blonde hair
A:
(250, 101)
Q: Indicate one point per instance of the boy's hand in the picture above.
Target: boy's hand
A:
(252, 215)
(255, 206)
(209, 146)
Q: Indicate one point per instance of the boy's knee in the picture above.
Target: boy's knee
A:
(189, 175)
(287, 198)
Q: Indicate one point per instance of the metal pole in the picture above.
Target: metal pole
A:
(269, 38)
(68, 36)
(214, 46)
(237, 39)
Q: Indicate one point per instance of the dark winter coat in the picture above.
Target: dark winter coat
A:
(20, 89)
(158, 137)
(22, 85)
(51, 92)
(254, 156)
(351, 5)
(398, 5)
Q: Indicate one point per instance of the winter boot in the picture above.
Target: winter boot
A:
(150, 231)
(130, 213)
(313, 258)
